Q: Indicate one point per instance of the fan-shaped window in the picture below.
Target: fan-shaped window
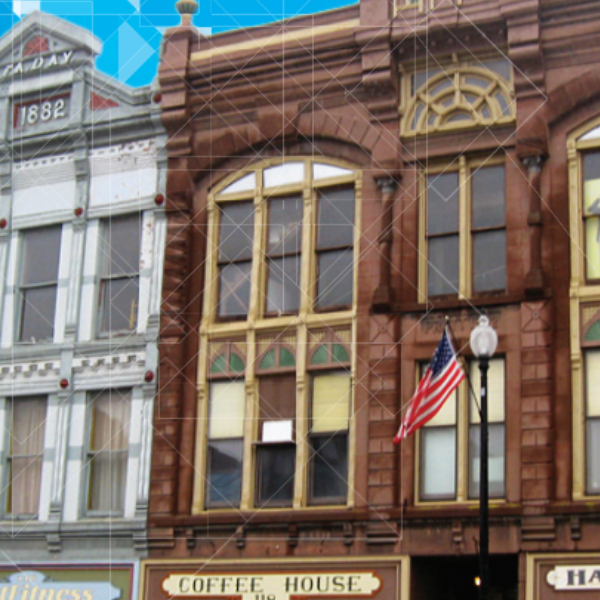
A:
(458, 97)
(593, 333)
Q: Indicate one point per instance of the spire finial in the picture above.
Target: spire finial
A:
(186, 8)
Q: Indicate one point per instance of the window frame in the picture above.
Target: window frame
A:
(583, 295)
(86, 511)
(465, 167)
(292, 331)
(22, 287)
(462, 428)
(104, 276)
(7, 476)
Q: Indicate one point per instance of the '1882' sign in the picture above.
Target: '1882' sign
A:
(273, 586)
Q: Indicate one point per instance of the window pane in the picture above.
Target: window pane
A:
(277, 399)
(275, 474)
(122, 245)
(592, 247)
(41, 251)
(28, 417)
(236, 231)
(335, 280)
(591, 186)
(285, 226)
(592, 456)
(447, 414)
(336, 219)
(109, 442)
(290, 172)
(245, 183)
(119, 304)
(227, 409)
(329, 468)
(110, 421)
(496, 460)
(108, 472)
(488, 197)
(496, 394)
(442, 271)
(438, 463)
(234, 290)
(330, 402)
(224, 486)
(25, 479)
(283, 287)
(592, 382)
(37, 322)
(321, 171)
(442, 203)
(489, 261)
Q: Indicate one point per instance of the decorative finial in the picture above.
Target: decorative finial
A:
(186, 8)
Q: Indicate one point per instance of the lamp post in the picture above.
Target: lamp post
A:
(483, 344)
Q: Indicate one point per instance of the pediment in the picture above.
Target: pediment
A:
(41, 42)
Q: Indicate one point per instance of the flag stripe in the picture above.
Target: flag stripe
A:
(441, 378)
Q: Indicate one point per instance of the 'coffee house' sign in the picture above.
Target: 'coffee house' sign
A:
(266, 586)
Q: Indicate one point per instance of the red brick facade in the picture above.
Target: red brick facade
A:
(337, 94)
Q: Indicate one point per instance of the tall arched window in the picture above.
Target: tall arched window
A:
(280, 290)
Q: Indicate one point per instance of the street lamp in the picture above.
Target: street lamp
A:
(483, 344)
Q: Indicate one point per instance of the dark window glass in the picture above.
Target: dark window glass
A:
(234, 292)
(119, 304)
(276, 465)
(235, 259)
(283, 255)
(591, 213)
(236, 232)
(41, 251)
(336, 219)
(119, 289)
(488, 197)
(442, 273)
(39, 305)
(122, 245)
(335, 279)
(442, 203)
(489, 261)
(329, 468)
(224, 486)
(285, 226)
(496, 460)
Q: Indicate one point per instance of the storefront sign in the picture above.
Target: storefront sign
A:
(32, 585)
(265, 586)
(72, 582)
(573, 577)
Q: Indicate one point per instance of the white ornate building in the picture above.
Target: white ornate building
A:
(82, 234)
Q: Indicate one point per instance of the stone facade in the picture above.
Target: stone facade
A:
(404, 94)
(81, 159)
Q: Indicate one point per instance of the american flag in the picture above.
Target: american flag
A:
(441, 378)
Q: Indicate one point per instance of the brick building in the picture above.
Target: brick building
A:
(338, 184)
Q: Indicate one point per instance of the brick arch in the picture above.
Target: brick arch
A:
(571, 95)
(273, 127)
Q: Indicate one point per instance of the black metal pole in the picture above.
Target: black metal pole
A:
(484, 541)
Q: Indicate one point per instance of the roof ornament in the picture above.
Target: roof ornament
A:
(186, 8)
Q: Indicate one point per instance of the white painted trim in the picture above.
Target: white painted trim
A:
(89, 288)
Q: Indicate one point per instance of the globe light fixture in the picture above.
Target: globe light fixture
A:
(484, 341)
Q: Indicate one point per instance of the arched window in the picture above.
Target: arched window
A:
(459, 96)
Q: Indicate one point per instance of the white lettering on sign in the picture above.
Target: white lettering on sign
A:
(273, 587)
(37, 64)
(575, 578)
(34, 113)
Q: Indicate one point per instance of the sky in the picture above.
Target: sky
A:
(131, 30)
